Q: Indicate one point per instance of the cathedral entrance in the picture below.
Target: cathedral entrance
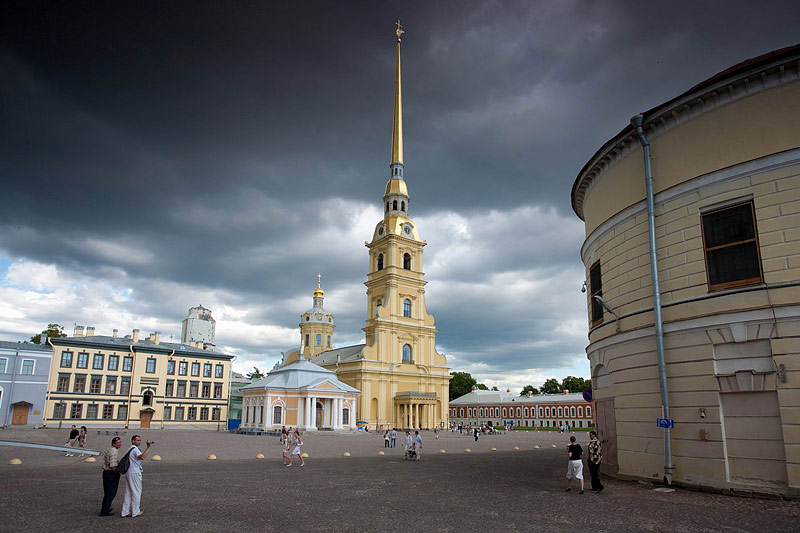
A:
(320, 415)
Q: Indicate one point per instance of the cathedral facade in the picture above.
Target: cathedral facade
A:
(404, 381)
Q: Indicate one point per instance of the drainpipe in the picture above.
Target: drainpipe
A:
(636, 121)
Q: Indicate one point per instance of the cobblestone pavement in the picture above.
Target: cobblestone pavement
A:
(516, 490)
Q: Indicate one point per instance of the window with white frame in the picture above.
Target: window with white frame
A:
(27, 367)
(346, 416)
(572, 411)
(588, 411)
(580, 411)
(3, 364)
(277, 413)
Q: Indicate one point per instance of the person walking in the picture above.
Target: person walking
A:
(285, 446)
(297, 443)
(575, 465)
(72, 439)
(393, 438)
(386, 439)
(133, 478)
(475, 432)
(82, 439)
(408, 445)
(418, 445)
(595, 449)
(110, 476)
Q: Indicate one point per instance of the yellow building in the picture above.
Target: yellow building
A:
(403, 380)
(101, 381)
(726, 169)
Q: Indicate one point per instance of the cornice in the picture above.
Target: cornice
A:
(741, 81)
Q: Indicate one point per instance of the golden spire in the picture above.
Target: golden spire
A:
(397, 128)
(318, 292)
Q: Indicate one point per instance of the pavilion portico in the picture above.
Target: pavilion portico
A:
(415, 409)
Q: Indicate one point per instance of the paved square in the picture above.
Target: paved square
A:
(517, 490)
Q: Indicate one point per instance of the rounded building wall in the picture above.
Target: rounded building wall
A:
(731, 349)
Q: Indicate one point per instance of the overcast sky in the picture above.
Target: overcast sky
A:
(155, 155)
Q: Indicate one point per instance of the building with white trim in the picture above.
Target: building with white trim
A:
(502, 408)
(24, 369)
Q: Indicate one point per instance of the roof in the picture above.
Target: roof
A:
(301, 374)
(486, 397)
(124, 343)
(29, 346)
(600, 160)
(340, 355)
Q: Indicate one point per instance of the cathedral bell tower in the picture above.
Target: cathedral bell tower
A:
(316, 326)
(397, 321)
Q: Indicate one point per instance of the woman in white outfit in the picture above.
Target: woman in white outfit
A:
(297, 442)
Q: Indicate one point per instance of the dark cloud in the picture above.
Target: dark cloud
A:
(189, 150)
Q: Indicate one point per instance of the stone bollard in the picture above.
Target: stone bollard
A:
(304, 455)
(156, 458)
(535, 446)
(260, 456)
(90, 460)
(553, 446)
(212, 457)
(516, 448)
(15, 461)
(467, 450)
(381, 453)
(442, 451)
(346, 454)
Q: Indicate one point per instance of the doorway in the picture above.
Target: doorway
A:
(144, 419)
(320, 415)
(19, 417)
(606, 426)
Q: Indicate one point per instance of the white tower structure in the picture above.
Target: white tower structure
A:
(199, 326)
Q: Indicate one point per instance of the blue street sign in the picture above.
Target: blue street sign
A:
(665, 423)
(587, 394)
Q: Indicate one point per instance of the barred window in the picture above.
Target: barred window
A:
(108, 412)
(277, 413)
(80, 383)
(204, 413)
(77, 410)
(730, 243)
(59, 410)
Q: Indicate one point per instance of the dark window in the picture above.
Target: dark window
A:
(402, 206)
(219, 371)
(596, 289)
(206, 390)
(204, 413)
(207, 370)
(407, 261)
(66, 359)
(193, 389)
(63, 383)
(394, 205)
(307, 342)
(387, 206)
(276, 414)
(147, 398)
(731, 247)
(181, 389)
(345, 416)
(113, 362)
(122, 412)
(91, 411)
(151, 366)
(127, 363)
(218, 390)
(125, 385)
(216, 413)
(380, 261)
(167, 412)
(192, 413)
(182, 366)
(329, 341)
(77, 410)
(169, 390)
(59, 410)
(108, 412)
(111, 384)
(171, 368)
(407, 307)
(80, 383)
(179, 413)
(83, 360)
(97, 362)
(95, 384)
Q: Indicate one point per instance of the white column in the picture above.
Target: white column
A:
(307, 402)
(269, 412)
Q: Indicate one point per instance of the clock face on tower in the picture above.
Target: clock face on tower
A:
(380, 230)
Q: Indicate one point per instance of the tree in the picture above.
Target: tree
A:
(495, 388)
(527, 389)
(256, 374)
(461, 384)
(573, 384)
(551, 386)
(53, 330)
(481, 386)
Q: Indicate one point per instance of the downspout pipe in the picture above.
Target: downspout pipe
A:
(636, 122)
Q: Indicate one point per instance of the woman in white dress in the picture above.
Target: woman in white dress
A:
(297, 442)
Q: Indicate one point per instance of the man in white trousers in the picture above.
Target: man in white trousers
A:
(133, 479)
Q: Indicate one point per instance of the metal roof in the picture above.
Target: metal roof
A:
(29, 346)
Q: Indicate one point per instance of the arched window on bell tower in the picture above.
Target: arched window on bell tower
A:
(380, 261)
(406, 307)
(394, 205)
(402, 206)
(406, 353)
(407, 261)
